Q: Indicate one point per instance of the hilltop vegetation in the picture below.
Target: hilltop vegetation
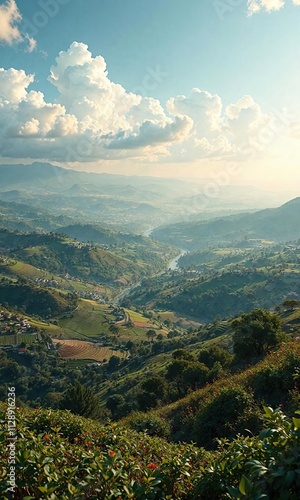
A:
(36, 300)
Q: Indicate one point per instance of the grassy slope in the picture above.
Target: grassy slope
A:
(270, 382)
(92, 320)
(16, 268)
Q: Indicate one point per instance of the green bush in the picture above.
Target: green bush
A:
(228, 413)
(263, 467)
(110, 462)
(273, 381)
(149, 423)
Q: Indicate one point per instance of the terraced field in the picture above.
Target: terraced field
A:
(80, 349)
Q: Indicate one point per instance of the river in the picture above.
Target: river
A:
(173, 264)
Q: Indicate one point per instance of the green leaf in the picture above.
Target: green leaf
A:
(245, 486)
(268, 411)
(47, 470)
(234, 492)
(296, 422)
(43, 489)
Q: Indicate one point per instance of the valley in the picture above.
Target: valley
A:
(139, 314)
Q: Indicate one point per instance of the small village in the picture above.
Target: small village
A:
(13, 329)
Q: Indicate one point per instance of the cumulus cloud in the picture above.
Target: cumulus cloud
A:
(255, 6)
(204, 108)
(90, 109)
(10, 33)
(154, 133)
(247, 124)
(94, 118)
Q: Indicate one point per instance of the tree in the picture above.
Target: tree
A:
(156, 385)
(114, 329)
(151, 334)
(182, 354)
(174, 373)
(114, 363)
(80, 400)
(195, 375)
(154, 390)
(113, 403)
(255, 333)
(291, 304)
(214, 354)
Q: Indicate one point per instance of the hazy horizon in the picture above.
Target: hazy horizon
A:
(198, 90)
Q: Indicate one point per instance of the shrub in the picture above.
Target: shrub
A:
(253, 468)
(228, 413)
(149, 423)
(255, 333)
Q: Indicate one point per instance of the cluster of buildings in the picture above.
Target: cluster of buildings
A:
(13, 324)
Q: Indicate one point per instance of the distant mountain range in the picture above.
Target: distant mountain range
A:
(277, 224)
(126, 203)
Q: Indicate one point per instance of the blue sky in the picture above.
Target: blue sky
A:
(192, 87)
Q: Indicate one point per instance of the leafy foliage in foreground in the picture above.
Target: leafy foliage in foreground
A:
(61, 456)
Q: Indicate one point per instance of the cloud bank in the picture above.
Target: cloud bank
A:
(95, 118)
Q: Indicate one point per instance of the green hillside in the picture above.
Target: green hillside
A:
(63, 256)
(61, 456)
(36, 300)
(223, 294)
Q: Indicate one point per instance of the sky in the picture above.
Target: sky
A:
(172, 88)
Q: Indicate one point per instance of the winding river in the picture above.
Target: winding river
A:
(172, 265)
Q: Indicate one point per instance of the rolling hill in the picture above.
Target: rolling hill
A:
(64, 256)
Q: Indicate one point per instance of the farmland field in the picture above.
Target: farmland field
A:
(8, 340)
(15, 339)
(80, 349)
(92, 320)
(139, 320)
(89, 320)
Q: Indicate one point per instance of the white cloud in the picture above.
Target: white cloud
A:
(255, 6)
(9, 18)
(204, 108)
(13, 85)
(10, 33)
(154, 133)
(31, 44)
(94, 118)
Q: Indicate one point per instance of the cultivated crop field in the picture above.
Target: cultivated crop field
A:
(8, 340)
(28, 338)
(18, 268)
(80, 349)
(139, 320)
(87, 321)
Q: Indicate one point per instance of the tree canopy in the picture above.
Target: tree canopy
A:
(255, 333)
